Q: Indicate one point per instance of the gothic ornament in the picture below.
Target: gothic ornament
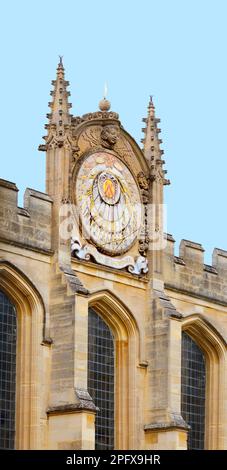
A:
(144, 238)
(109, 136)
(143, 181)
(109, 203)
(87, 252)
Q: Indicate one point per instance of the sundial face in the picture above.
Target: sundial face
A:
(108, 200)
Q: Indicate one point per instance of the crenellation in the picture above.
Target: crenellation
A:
(219, 261)
(192, 254)
(8, 193)
(187, 272)
(8, 184)
(29, 225)
(170, 245)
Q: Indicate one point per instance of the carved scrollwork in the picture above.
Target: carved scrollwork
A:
(138, 265)
(100, 115)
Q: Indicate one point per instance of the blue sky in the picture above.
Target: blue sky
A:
(175, 50)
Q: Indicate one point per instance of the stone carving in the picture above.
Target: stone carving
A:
(137, 266)
(141, 266)
(143, 182)
(143, 245)
(157, 173)
(109, 136)
(75, 153)
(124, 149)
(100, 115)
(90, 137)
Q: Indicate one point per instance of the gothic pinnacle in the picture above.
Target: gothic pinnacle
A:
(59, 116)
(60, 106)
(149, 130)
(151, 142)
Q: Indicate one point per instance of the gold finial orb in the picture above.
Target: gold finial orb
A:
(104, 105)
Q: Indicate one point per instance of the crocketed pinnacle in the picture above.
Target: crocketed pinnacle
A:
(59, 105)
(151, 142)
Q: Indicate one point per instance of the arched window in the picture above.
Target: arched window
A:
(101, 378)
(193, 384)
(8, 336)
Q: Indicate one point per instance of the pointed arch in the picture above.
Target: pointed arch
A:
(31, 323)
(127, 353)
(205, 334)
(116, 314)
(213, 346)
(128, 364)
(19, 286)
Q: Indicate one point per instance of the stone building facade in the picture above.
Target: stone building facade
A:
(107, 339)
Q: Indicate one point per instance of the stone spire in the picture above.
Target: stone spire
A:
(59, 117)
(60, 106)
(58, 141)
(151, 144)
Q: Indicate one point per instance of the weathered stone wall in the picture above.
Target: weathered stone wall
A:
(29, 226)
(148, 323)
(188, 274)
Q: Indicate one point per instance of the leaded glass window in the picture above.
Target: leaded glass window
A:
(101, 378)
(193, 383)
(8, 334)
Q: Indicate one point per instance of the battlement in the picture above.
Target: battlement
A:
(187, 272)
(28, 226)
